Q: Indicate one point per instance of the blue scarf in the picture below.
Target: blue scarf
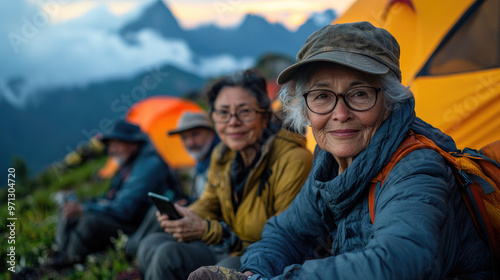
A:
(342, 192)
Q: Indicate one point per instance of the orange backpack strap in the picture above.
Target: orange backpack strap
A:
(411, 143)
(463, 165)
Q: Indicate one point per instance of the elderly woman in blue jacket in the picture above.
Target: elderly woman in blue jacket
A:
(346, 85)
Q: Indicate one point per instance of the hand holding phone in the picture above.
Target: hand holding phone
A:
(165, 206)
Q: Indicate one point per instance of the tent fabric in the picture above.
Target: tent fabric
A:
(469, 113)
(158, 114)
(447, 39)
(473, 44)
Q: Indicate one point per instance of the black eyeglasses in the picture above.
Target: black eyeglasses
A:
(323, 101)
(242, 114)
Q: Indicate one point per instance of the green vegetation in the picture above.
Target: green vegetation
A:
(36, 214)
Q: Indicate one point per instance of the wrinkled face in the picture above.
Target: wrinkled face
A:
(197, 141)
(120, 151)
(344, 132)
(238, 135)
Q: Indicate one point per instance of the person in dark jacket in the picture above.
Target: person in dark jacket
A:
(87, 227)
(346, 85)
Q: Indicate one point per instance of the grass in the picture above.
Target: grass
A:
(36, 214)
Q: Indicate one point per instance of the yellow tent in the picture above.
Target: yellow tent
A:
(450, 58)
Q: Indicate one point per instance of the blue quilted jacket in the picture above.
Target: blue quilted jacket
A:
(422, 229)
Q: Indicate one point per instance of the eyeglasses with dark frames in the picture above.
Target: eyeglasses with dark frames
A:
(323, 101)
(242, 114)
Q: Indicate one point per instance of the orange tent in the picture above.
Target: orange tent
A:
(158, 114)
(450, 58)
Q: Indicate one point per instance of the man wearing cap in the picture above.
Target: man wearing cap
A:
(199, 139)
(87, 227)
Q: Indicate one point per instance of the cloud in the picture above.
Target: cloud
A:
(222, 64)
(43, 55)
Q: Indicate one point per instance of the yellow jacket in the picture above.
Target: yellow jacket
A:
(287, 160)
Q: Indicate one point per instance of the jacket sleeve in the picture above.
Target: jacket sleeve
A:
(411, 218)
(293, 169)
(287, 238)
(208, 207)
(131, 200)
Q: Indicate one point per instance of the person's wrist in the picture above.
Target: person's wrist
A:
(202, 229)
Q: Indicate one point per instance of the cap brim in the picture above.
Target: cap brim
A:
(356, 61)
(123, 137)
(177, 131)
(174, 132)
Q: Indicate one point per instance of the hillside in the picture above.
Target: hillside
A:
(53, 126)
(35, 228)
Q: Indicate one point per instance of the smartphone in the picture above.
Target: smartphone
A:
(165, 206)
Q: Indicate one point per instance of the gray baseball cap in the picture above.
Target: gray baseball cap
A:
(190, 120)
(358, 45)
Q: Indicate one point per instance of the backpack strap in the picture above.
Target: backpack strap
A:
(471, 191)
(462, 164)
(410, 144)
(413, 142)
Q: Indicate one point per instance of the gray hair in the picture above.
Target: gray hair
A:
(295, 108)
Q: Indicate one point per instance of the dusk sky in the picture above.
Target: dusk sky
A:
(43, 40)
(51, 47)
(222, 12)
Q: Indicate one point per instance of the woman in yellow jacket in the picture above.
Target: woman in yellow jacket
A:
(254, 174)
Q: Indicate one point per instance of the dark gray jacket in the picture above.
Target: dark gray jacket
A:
(127, 198)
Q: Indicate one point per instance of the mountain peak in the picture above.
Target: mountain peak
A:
(157, 17)
(257, 21)
(315, 22)
(323, 18)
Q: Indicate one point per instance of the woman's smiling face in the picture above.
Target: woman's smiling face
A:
(238, 135)
(344, 132)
